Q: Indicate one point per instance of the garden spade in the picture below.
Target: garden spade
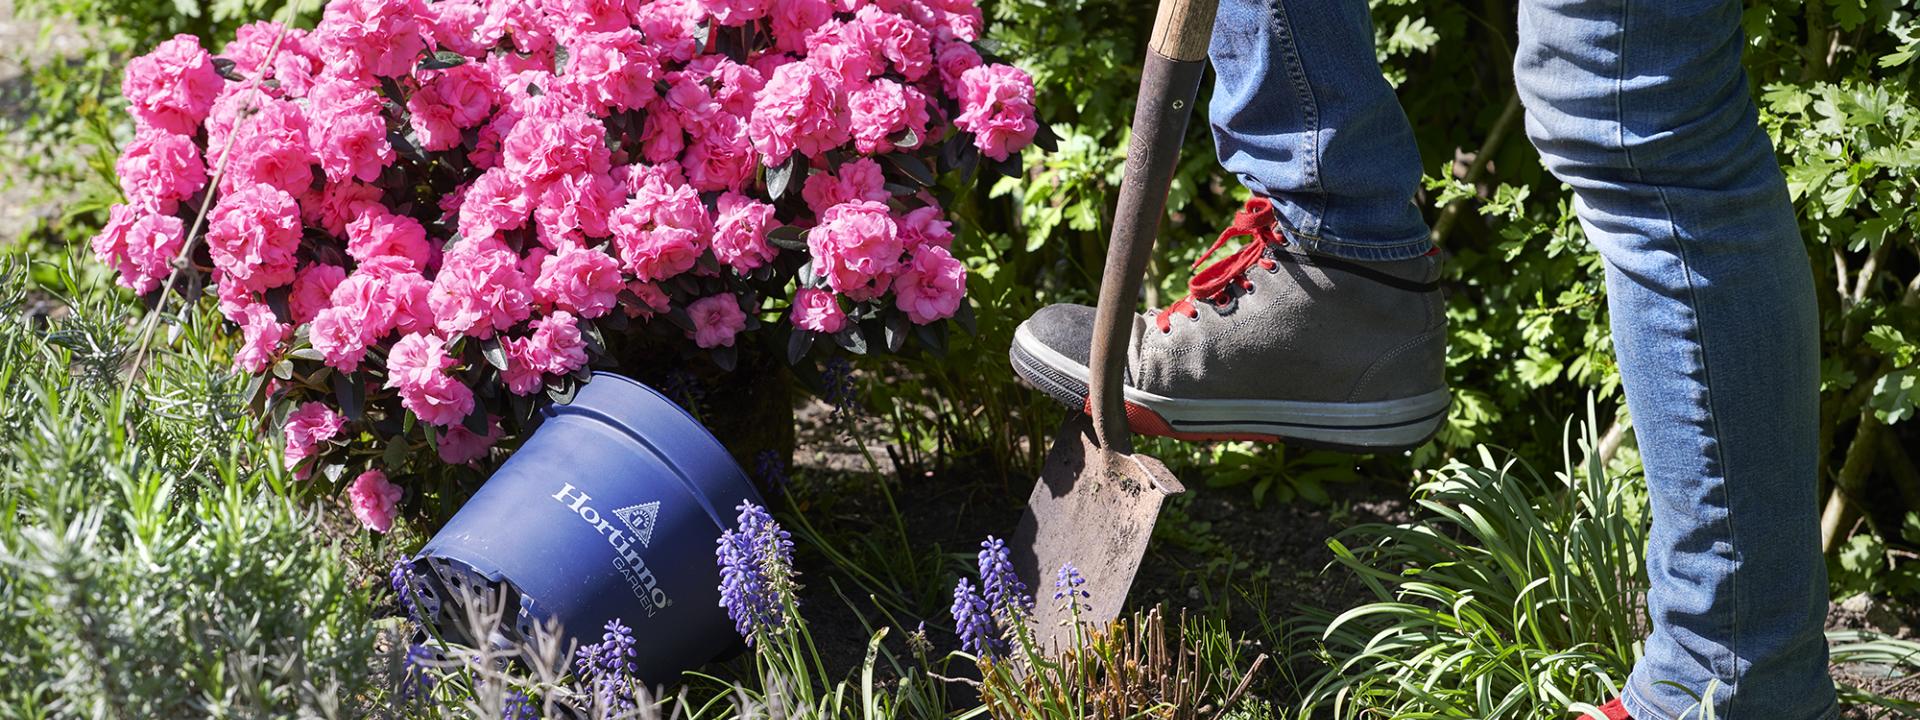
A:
(1095, 504)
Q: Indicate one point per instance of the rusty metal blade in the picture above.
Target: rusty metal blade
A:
(1093, 508)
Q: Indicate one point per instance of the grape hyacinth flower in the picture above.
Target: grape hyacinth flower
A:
(771, 470)
(1067, 590)
(979, 634)
(836, 378)
(402, 592)
(518, 707)
(609, 664)
(756, 573)
(685, 390)
(418, 680)
(998, 583)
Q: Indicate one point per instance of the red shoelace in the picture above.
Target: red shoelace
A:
(1255, 220)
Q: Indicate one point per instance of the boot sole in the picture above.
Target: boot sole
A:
(1364, 427)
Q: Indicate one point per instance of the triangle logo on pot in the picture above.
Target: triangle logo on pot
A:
(641, 519)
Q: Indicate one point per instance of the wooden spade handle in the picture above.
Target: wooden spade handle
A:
(1169, 81)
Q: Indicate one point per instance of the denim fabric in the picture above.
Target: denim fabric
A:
(1305, 119)
(1642, 107)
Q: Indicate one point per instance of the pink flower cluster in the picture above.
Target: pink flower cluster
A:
(435, 208)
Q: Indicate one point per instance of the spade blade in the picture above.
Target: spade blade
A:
(1093, 508)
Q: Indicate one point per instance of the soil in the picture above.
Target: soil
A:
(1212, 549)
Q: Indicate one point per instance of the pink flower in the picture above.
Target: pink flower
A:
(669, 25)
(716, 319)
(308, 426)
(953, 61)
(555, 141)
(659, 253)
(734, 13)
(926, 226)
(374, 500)
(271, 146)
(140, 244)
(252, 237)
(576, 204)
(861, 179)
(651, 299)
(932, 286)
(161, 168)
(882, 110)
(370, 37)
(338, 204)
(261, 335)
(312, 291)
(722, 158)
(458, 445)
(899, 40)
(740, 234)
(479, 290)
(996, 105)
(405, 291)
(496, 202)
(455, 25)
(417, 367)
(842, 51)
(379, 233)
(959, 20)
(857, 248)
(579, 279)
(173, 87)
(614, 70)
(817, 310)
(570, 18)
(799, 110)
(794, 20)
(351, 139)
(292, 67)
(361, 313)
(555, 348)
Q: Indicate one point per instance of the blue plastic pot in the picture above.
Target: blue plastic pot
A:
(611, 509)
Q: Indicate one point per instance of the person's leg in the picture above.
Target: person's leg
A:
(1327, 326)
(1303, 117)
(1643, 108)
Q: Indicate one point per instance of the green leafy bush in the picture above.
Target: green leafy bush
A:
(151, 561)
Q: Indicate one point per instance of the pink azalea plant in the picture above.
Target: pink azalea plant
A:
(424, 218)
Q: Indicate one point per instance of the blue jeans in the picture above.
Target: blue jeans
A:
(1642, 107)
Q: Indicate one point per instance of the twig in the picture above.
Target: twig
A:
(1496, 136)
(181, 262)
(1245, 682)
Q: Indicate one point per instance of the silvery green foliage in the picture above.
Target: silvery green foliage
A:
(151, 562)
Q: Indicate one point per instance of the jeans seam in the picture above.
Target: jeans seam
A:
(1310, 108)
(1732, 648)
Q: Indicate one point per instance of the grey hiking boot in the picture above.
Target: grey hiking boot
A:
(1273, 344)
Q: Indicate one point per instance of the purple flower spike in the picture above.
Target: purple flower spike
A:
(609, 664)
(973, 617)
(1068, 592)
(756, 573)
(998, 583)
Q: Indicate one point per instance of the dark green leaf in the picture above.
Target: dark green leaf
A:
(561, 389)
(851, 339)
(912, 167)
(799, 341)
(934, 337)
(443, 60)
(1046, 139)
(780, 177)
(906, 139)
(351, 393)
(225, 68)
(896, 332)
(964, 316)
(725, 357)
(476, 420)
(496, 355)
(788, 237)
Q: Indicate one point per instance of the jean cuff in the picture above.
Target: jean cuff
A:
(1323, 243)
(1642, 707)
